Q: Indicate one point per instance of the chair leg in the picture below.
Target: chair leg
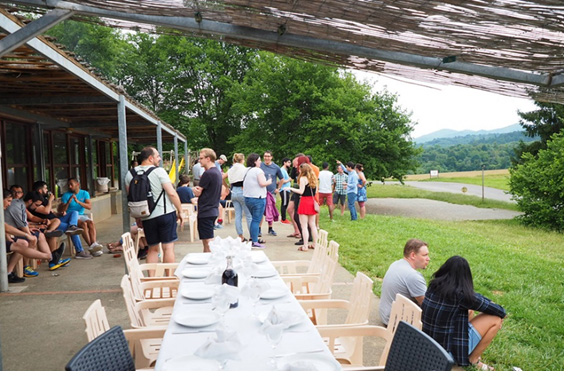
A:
(70, 245)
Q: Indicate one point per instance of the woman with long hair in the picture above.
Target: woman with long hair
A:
(235, 174)
(361, 189)
(307, 185)
(448, 314)
(254, 192)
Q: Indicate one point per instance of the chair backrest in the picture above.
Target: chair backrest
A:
(128, 249)
(402, 309)
(187, 210)
(333, 250)
(414, 350)
(360, 300)
(95, 320)
(107, 352)
(327, 276)
(136, 319)
(320, 246)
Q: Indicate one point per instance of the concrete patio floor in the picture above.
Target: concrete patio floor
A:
(40, 322)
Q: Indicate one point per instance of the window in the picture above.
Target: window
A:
(16, 153)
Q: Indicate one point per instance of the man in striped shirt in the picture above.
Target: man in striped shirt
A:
(340, 188)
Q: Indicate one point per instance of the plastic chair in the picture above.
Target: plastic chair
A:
(414, 350)
(310, 287)
(357, 307)
(95, 320)
(229, 209)
(189, 215)
(306, 266)
(146, 313)
(346, 342)
(107, 352)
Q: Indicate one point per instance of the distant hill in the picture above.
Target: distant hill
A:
(450, 133)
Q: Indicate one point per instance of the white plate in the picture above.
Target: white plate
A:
(274, 293)
(306, 362)
(290, 318)
(264, 273)
(195, 273)
(190, 363)
(198, 319)
(197, 293)
(197, 259)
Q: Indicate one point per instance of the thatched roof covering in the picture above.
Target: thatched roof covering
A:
(512, 47)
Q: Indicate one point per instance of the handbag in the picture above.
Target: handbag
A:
(316, 205)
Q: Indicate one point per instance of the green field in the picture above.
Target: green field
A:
(520, 268)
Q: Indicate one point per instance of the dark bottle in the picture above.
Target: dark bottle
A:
(230, 277)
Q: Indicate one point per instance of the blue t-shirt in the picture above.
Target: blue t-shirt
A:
(275, 173)
(285, 186)
(82, 196)
(185, 193)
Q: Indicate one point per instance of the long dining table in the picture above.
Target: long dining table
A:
(200, 338)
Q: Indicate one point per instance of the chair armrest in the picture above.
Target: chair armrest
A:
(313, 296)
(325, 304)
(155, 304)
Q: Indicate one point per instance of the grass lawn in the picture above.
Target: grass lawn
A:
(495, 181)
(520, 268)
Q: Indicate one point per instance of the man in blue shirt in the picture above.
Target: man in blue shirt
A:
(78, 200)
(352, 182)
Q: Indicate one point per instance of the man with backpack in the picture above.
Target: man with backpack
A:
(154, 202)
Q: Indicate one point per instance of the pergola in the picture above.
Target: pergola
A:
(510, 47)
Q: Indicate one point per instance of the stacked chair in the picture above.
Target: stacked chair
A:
(189, 215)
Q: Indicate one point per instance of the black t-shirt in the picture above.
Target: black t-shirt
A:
(208, 204)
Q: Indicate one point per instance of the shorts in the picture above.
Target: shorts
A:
(473, 338)
(205, 227)
(161, 229)
(339, 197)
(83, 218)
(328, 197)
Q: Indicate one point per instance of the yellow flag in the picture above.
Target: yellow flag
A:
(172, 173)
(181, 165)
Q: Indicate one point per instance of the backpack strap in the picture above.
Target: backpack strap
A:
(162, 192)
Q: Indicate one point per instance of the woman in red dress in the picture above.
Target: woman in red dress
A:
(307, 185)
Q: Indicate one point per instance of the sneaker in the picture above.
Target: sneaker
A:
(53, 234)
(74, 230)
(257, 245)
(59, 263)
(286, 222)
(58, 253)
(14, 279)
(97, 253)
(29, 272)
(95, 247)
(143, 253)
(217, 226)
(83, 255)
(272, 232)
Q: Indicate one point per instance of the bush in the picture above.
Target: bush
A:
(538, 185)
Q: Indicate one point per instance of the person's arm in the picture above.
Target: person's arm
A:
(86, 204)
(343, 167)
(174, 198)
(46, 209)
(262, 180)
(362, 177)
(10, 230)
(301, 186)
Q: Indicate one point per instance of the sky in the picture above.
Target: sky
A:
(435, 107)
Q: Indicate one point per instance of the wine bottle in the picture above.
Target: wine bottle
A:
(230, 277)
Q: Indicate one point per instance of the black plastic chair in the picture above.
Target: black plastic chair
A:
(414, 350)
(107, 352)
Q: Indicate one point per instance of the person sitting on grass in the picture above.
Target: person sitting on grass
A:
(448, 314)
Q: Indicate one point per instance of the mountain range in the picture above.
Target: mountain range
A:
(450, 133)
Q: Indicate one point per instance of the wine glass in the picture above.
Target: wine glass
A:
(274, 334)
(221, 305)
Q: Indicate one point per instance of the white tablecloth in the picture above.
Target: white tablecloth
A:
(301, 346)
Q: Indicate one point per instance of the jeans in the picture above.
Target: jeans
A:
(71, 218)
(256, 207)
(351, 198)
(238, 202)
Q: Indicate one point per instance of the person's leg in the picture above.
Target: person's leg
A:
(238, 205)
(487, 326)
(343, 199)
(351, 200)
(312, 227)
(21, 246)
(362, 209)
(331, 207)
(291, 208)
(167, 227)
(85, 233)
(168, 252)
(13, 261)
(304, 226)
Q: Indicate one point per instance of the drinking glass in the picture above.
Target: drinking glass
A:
(274, 336)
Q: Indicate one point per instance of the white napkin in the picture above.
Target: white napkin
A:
(215, 276)
(254, 286)
(299, 366)
(225, 294)
(281, 318)
(223, 345)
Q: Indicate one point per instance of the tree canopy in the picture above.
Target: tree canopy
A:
(236, 99)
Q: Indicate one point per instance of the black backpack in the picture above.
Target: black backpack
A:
(140, 198)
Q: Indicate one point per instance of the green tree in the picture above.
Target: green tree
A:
(537, 185)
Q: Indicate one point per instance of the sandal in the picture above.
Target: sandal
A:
(297, 236)
(481, 366)
(311, 246)
(302, 249)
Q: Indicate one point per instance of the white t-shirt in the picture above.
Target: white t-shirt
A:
(400, 278)
(157, 178)
(251, 186)
(325, 182)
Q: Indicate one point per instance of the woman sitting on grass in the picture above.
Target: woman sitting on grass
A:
(448, 314)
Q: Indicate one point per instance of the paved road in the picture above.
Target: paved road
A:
(438, 210)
